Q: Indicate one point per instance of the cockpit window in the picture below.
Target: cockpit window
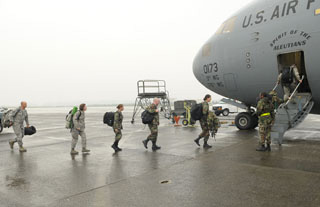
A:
(206, 50)
(219, 31)
(227, 26)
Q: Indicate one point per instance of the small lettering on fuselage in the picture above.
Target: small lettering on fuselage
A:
(279, 11)
(277, 45)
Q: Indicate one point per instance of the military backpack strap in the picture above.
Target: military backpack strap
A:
(78, 118)
(14, 116)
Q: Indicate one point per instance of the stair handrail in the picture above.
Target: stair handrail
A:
(294, 92)
(275, 87)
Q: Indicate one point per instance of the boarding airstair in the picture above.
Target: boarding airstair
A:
(291, 113)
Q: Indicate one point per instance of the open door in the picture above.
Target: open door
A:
(296, 58)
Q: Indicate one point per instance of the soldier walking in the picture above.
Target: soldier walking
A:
(288, 79)
(117, 127)
(265, 112)
(17, 118)
(153, 126)
(204, 123)
(79, 129)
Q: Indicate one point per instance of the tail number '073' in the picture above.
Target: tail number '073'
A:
(209, 68)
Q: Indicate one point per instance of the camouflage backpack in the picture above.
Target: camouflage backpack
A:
(213, 122)
(5, 120)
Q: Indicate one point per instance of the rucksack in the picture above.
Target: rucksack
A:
(213, 123)
(287, 75)
(196, 112)
(5, 120)
(108, 118)
(69, 118)
(147, 117)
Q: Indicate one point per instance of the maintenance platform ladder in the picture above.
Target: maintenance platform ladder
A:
(147, 91)
(291, 114)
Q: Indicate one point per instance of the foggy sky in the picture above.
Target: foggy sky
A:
(71, 51)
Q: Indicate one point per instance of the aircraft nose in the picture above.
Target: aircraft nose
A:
(197, 67)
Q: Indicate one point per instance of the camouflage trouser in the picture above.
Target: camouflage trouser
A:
(118, 134)
(75, 134)
(265, 133)
(154, 132)
(205, 130)
(19, 131)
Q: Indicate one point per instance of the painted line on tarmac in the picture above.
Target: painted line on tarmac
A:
(58, 138)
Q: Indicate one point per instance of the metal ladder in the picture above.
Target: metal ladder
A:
(291, 114)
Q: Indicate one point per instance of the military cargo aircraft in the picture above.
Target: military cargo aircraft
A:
(246, 54)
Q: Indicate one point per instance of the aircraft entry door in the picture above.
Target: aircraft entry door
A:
(297, 58)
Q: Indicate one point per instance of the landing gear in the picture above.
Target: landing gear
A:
(246, 120)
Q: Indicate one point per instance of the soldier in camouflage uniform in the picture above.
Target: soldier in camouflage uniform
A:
(276, 101)
(17, 118)
(79, 129)
(204, 123)
(287, 88)
(265, 112)
(152, 109)
(117, 127)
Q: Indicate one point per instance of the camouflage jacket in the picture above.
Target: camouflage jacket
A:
(118, 118)
(264, 108)
(205, 111)
(152, 110)
(79, 120)
(18, 116)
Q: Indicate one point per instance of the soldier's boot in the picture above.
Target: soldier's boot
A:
(155, 147)
(11, 143)
(22, 149)
(74, 152)
(206, 146)
(262, 148)
(197, 141)
(145, 143)
(114, 146)
(268, 148)
(85, 150)
(117, 145)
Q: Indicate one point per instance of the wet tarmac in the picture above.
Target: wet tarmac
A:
(232, 173)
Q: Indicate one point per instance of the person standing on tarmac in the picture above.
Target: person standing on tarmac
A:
(79, 129)
(265, 112)
(204, 123)
(153, 109)
(117, 127)
(288, 79)
(17, 118)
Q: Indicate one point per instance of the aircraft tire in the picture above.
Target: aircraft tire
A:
(244, 121)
